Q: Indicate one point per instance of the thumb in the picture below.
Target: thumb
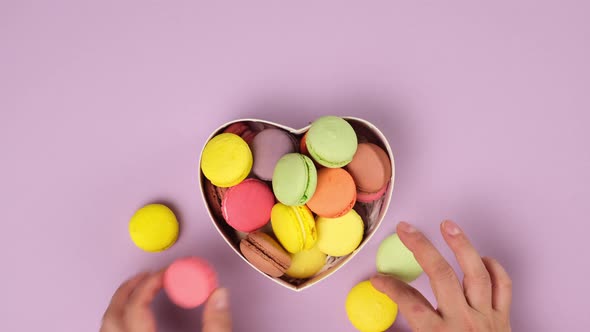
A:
(416, 309)
(216, 317)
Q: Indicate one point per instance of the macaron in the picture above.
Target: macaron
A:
(267, 148)
(247, 206)
(370, 310)
(294, 227)
(265, 254)
(214, 196)
(335, 193)
(153, 228)
(294, 179)
(242, 129)
(340, 236)
(226, 160)
(370, 168)
(331, 141)
(364, 197)
(306, 263)
(394, 258)
(189, 281)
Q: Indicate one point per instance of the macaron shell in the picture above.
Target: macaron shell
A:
(267, 148)
(370, 310)
(294, 179)
(247, 206)
(331, 141)
(188, 282)
(340, 236)
(306, 263)
(266, 254)
(335, 193)
(364, 197)
(153, 228)
(370, 167)
(214, 196)
(294, 227)
(226, 160)
(394, 258)
(242, 129)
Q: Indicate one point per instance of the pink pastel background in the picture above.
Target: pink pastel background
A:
(105, 105)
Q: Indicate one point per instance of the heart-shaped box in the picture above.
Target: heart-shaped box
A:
(372, 213)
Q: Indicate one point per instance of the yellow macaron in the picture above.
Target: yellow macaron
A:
(340, 236)
(306, 263)
(226, 160)
(370, 310)
(294, 227)
(153, 228)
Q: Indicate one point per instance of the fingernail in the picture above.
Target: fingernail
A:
(451, 228)
(406, 228)
(221, 299)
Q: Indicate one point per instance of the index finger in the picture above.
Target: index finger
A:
(146, 291)
(122, 294)
(444, 281)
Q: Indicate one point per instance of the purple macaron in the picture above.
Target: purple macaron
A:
(267, 148)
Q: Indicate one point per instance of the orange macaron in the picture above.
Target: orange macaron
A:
(335, 193)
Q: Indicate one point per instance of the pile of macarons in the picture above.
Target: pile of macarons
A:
(292, 199)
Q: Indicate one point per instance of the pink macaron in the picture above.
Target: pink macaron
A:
(365, 197)
(247, 206)
(189, 281)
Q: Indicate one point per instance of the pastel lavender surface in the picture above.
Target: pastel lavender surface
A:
(105, 105)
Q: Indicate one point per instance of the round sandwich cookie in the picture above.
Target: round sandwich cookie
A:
(243, 129)
(153, 228)
(370, 168)
(189, 281)
(247, 206)
(340, 236)
(294, 227)
(331, 141)
(364, 197)
(294, 179)
(394, 258)
(335, 193)
(370, 310)
(226, 160)
(306, 263)
(267, 148)
(265, 254)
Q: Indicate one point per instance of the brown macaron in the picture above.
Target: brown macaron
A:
(266, 254)
(370, 168)
(214, 196)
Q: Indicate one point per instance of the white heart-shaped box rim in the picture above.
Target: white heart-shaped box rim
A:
(345, 260)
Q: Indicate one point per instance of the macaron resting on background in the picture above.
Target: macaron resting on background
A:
(394, 258)
(189, 281)
(267, 148)
(262, 251)
(340, 236)
(154, 228)
(226, 160)
(335, 193)
(370, 310)
(247, 206)
(331, 141)
(294, 180)
(294, 227)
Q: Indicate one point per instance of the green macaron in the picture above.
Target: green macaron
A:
(331, 141)
(394, 258)
(295, 179)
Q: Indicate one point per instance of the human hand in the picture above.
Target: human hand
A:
(129, 310)
(482, 304)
